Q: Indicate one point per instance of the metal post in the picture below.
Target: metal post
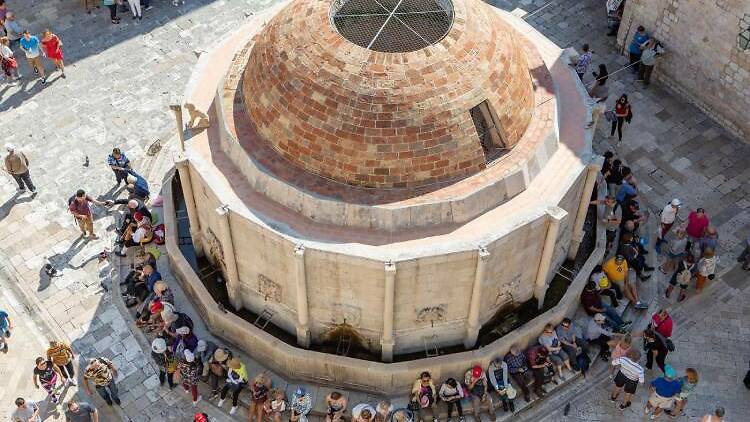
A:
(303, 323)
(388, 342)
(472, 323)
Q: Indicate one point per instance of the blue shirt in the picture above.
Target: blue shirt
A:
(30, 46)
(4, 323)
(638, 40)
(121, 162)
(666, 388)
(626, 190)
(152, 279)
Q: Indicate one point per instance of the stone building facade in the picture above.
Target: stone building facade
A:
(707, 60)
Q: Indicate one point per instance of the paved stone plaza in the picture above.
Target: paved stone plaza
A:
(120, 81)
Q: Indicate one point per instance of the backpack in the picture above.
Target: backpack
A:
(747, 380)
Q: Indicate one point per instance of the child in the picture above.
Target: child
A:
(277, 406)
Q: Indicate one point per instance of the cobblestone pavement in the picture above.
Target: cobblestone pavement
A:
(120, 81)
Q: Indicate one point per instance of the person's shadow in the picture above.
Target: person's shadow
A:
(11, 202)
(61, 261)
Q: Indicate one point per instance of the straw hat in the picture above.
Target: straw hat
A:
(234, 363)
(159, 345)
(221, 355)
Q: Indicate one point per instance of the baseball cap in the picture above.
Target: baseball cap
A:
(159, 345)
(476, 372)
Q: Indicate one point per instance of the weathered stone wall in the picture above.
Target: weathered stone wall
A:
(432, 292)
(704, 62)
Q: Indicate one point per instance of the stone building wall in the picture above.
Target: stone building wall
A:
(432, 292)
(704, 62)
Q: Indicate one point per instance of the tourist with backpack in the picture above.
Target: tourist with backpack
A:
(451, 393)
(79, 206)
(62, 356)
(629, 375)
(102, 373)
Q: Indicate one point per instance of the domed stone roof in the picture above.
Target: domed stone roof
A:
(390, 105)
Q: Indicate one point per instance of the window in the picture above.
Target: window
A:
(488, 131)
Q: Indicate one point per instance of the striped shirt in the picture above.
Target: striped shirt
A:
(630, 369)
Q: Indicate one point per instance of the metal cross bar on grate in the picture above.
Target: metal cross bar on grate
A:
(393, 26)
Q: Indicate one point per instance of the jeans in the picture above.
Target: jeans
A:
(120, 176)
(457, 404)
(477, 404)
(165, 376)
(573, 351)
(613, 318)
(24, 181)
(617, 125)
(634, 58)
(109, 392)
(659, 359)
(236, 389)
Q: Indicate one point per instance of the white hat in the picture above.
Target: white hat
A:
(132, 203)
(599, 318)
(159, 345)
(131, 178)
(10, 147)
(183, 331)
(676, 202)
(202, 345)
(189, 356)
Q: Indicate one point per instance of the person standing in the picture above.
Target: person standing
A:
(744, 258)
(5, 326)
(676, 251)
(31, 47)
(102, 372)
(655, 345)
(648, 60)
(25, 411)
(706, 269)
(135, 9)
(662, 323)
(17, 165)
(681, 277)
(697, 225)
(81, 412)
(635, 49)
(8, 60)
(688, 384)
(663, 392)
(12, 29)
(53, 49)
(47, 374)
(165, 361)
(62, 356)
(583, 61)
(189, 375)
(112, 5)
(81, 210)
(120, 164)
(623, 113)
(629, 375)
(668, 217)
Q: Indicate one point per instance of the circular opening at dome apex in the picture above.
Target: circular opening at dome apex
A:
(392, 26)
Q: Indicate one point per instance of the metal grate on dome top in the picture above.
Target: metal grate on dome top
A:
(393, 26)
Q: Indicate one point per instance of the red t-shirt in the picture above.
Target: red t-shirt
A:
(621, 109)
(662, 326)
(696, 225)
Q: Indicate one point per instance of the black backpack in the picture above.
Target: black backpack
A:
(747, 380)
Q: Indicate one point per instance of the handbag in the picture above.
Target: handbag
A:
(629, 117)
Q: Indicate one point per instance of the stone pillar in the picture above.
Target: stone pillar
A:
(227, 245)
(583, 205)
(177, 109)
(183, 168)
(472, 324)
(388, 341)
(554, 216)
(303, 315)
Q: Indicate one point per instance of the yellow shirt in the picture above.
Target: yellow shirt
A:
(615, 273)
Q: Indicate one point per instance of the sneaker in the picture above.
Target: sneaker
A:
(195, 403)
(149, 7)
(640, 305)
(117, 401)
(645, 277)
(682, 297)
(647, 268)
(220, 403)
(624, 406)
(36, 70)
(44, 80)
(667, 293)
(652, 417)
(614, 399)
(109, 402)
(646, 410)
(233, 410)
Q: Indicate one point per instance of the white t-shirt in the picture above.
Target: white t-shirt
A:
(139, 234)
(5, 51)
(668, 214)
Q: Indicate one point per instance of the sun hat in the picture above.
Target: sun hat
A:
(676, 202)
(599, 318)
(221, 355)
(131, 178)
(183, 331)
(159, 345)
(234, 363)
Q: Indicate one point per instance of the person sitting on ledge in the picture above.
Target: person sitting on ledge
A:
(518, 367)
(137, 233)
(557, 355)
(478, 391)
(498, 375)
(592, 303)
(541, 365)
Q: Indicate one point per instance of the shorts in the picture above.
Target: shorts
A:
(622, 381)
(673, 282)
(656, 400)
(35, 62)
(558, 358)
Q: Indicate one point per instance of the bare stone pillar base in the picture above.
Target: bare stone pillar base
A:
(387, 350)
